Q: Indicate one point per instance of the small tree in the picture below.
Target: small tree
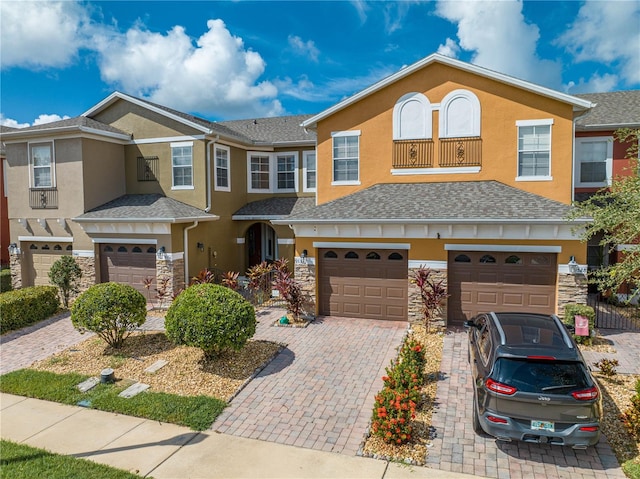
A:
(65, 274)
(432, 293)
(210, 317)
(111, 310)
(290, 291)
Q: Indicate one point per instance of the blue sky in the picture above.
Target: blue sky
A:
(241, 59)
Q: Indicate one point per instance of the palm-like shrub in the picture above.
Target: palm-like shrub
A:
(65, 274)
(210, 317)
(111, 310)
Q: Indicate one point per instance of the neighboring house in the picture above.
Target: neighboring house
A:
(134, 190)
(600, 157)
(4, 212)
(449, 166)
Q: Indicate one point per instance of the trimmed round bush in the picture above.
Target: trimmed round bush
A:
(210, 317)
(111, 310)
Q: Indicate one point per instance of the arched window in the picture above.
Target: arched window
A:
(33, 246)
(122, 249)
(45, 247)
(459, 115)
(373, 255)
(462, 258)
(540, 260)
(136, 249)
(487, 258)
(108, 249)
(151, 249)
(513, 259)
(395, 256)
(57, 248)
(330, 254)
(351, 255)
(412, 117)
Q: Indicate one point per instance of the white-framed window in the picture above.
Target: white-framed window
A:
(309, 171)
(346, 157)
(412, 117)
(42, 161)
(594, 161)
(459, 115)
(182, 165)
(272, 172)
(534, 150)
(222, 171)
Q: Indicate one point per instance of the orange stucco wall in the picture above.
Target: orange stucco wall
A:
(501, 106)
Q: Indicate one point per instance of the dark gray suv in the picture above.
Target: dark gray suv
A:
(531, 382)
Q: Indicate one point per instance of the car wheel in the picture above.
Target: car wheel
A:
(477, 428)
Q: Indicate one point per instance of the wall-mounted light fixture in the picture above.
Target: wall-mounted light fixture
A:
(575, 269)
(161, 253)
(200, 246)
(304, 254)
(13, 249)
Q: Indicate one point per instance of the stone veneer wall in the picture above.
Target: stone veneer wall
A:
(571, 289)
(173, 271)
(88, 266)
(415, 301)
(305, 274)
(15, 264)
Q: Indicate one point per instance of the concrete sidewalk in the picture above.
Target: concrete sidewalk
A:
(160, 450)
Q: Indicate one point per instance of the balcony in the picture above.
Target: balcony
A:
(412, 153)
(43, 198)
(460, 152)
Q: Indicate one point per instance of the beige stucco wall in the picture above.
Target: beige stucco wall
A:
(501, 106)
(102, 172)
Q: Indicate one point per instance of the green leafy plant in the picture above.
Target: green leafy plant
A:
(65, 273)
(5, 280)
(432, 294)
(210, 317)
(631, 417)
(571, 311)
(111, 310)
(22, 307)
(204, 276)
(607, 366)
(230, 280)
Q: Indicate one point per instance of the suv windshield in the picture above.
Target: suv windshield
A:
(541, 376)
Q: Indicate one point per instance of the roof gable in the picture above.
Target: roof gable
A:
(578, 104)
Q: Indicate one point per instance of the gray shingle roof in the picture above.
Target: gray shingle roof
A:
(154, 207)
(615, 108)
(272, 130)
(279, 207)
(78, 121)
(454, 201)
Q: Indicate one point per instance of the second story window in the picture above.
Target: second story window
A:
(182, 165)
(346, 157)
(222, 169)
(42, 165)
(534, 150)
(272, 172)
(594, 161)
(259, 172)
(286, 165)
(309, 171)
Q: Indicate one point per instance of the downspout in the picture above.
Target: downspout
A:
(209, 184)
(186, 251)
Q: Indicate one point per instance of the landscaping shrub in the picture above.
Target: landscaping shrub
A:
(631, 417)
(432, 294)
(210, 317)
(111, 310)
(26, 306)
(65, 274)
(5, 280)
(395, 405)
(607, 367)
(571, 310)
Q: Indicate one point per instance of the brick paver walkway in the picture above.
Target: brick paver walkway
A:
(318, 392)
(627, 346)
(457, 448)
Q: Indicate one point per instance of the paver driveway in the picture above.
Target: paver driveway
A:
(319, 392)
(457, 448)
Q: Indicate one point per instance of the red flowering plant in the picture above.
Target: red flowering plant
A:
(395, 405)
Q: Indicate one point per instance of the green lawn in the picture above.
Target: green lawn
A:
(18, 461)
(196, 412)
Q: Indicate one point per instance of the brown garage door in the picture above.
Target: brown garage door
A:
(39, 258)
(479, 282)
(363, 283)
(128, 263)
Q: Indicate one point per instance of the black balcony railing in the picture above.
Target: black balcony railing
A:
(460, 152)
(43, 198)
(413, 153)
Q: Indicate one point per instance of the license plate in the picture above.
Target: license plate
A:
(543, 426)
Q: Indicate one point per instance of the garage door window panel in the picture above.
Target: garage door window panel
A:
(462, 258)
(330, 255)
(351, 255)
(373, 255)
(513, 259)
(396, 257)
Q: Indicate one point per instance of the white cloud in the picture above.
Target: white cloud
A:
(607, 32)
(500, 38)
(597, 83)
(4, 121)
(449, 49)
(217, 75)
(361, 9)
(41, 120)
(41, 34)
(395, 13)
(307, 49)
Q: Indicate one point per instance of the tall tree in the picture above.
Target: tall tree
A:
(616, 215)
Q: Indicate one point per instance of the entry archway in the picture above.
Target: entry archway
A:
(262, 244)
